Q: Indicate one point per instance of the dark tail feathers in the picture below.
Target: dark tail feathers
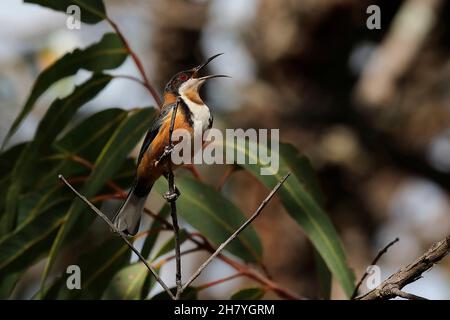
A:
(128, 218)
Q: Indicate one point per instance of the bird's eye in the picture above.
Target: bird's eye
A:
(183, 77)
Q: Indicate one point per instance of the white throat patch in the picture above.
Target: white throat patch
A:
(200, 112)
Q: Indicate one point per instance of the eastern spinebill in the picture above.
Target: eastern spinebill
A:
(183, 87)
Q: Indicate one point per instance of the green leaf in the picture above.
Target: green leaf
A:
(301, 167)
(97, 267)
(31, 239)
(108, 162)
(57, 117)
(248, 294)
(9, 157)
(109, 53)
(35, 202)
(92, 11)
(324, 276)
(85, 141)
(8, 283)
(216, 217)
(7, 160)
(153, 232)
(88, 137)
(128, 283)
(299, 203)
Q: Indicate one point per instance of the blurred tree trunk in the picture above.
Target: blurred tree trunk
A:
(176, 31)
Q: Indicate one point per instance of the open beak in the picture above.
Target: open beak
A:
(204, 64)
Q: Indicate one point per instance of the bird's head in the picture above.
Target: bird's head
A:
(189, 82)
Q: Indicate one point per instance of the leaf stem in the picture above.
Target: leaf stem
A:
(137, 62)
(219, 281)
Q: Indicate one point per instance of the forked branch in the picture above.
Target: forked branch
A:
(236, 233)
(124, 237)
(392, 286)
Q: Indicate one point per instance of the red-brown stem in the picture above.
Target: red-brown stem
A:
(165, 260)
(90, 166)
(137, 62)
(135, 79)
(193, 169)
(225, 177)
(253, 274)
(216, 282)
(148, 232)
(103, 197)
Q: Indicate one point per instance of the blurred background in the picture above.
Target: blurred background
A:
(370, 108)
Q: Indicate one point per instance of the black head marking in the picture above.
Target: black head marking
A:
(177, 80)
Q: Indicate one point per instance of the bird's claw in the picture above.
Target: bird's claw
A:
(171, 196)
(167, 151)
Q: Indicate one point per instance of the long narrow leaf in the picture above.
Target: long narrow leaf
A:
(57, 117)
(108, 162)
(301, 205)
(92, 11)
(216, 217)
(106, 54)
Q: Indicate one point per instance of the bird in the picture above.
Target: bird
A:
(182, 91)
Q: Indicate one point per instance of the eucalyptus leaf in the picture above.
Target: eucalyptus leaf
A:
(92, 11)
(300, 203)
(108, 53)
(57, 117)
(97, 268)
(208, 211)
(108, 162)
(248, 294)
(128, 283)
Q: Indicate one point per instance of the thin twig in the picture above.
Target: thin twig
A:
(165, 260)
(225, 177)
(391, 287)
(407, 295)
(236, 233)
(124, 238)
(219, 281)
(137, 62)
(374, 262)
(132, 78)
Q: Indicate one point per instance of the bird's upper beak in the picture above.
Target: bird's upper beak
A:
(197, 69)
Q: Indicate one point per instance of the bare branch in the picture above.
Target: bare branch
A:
(406, 295)
(111, 225)
(236, 233)
(171, 197)
(137, 62)
(391, 287)
(374, 262)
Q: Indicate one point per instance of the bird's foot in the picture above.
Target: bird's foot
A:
(167, 151)
(171, 196)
